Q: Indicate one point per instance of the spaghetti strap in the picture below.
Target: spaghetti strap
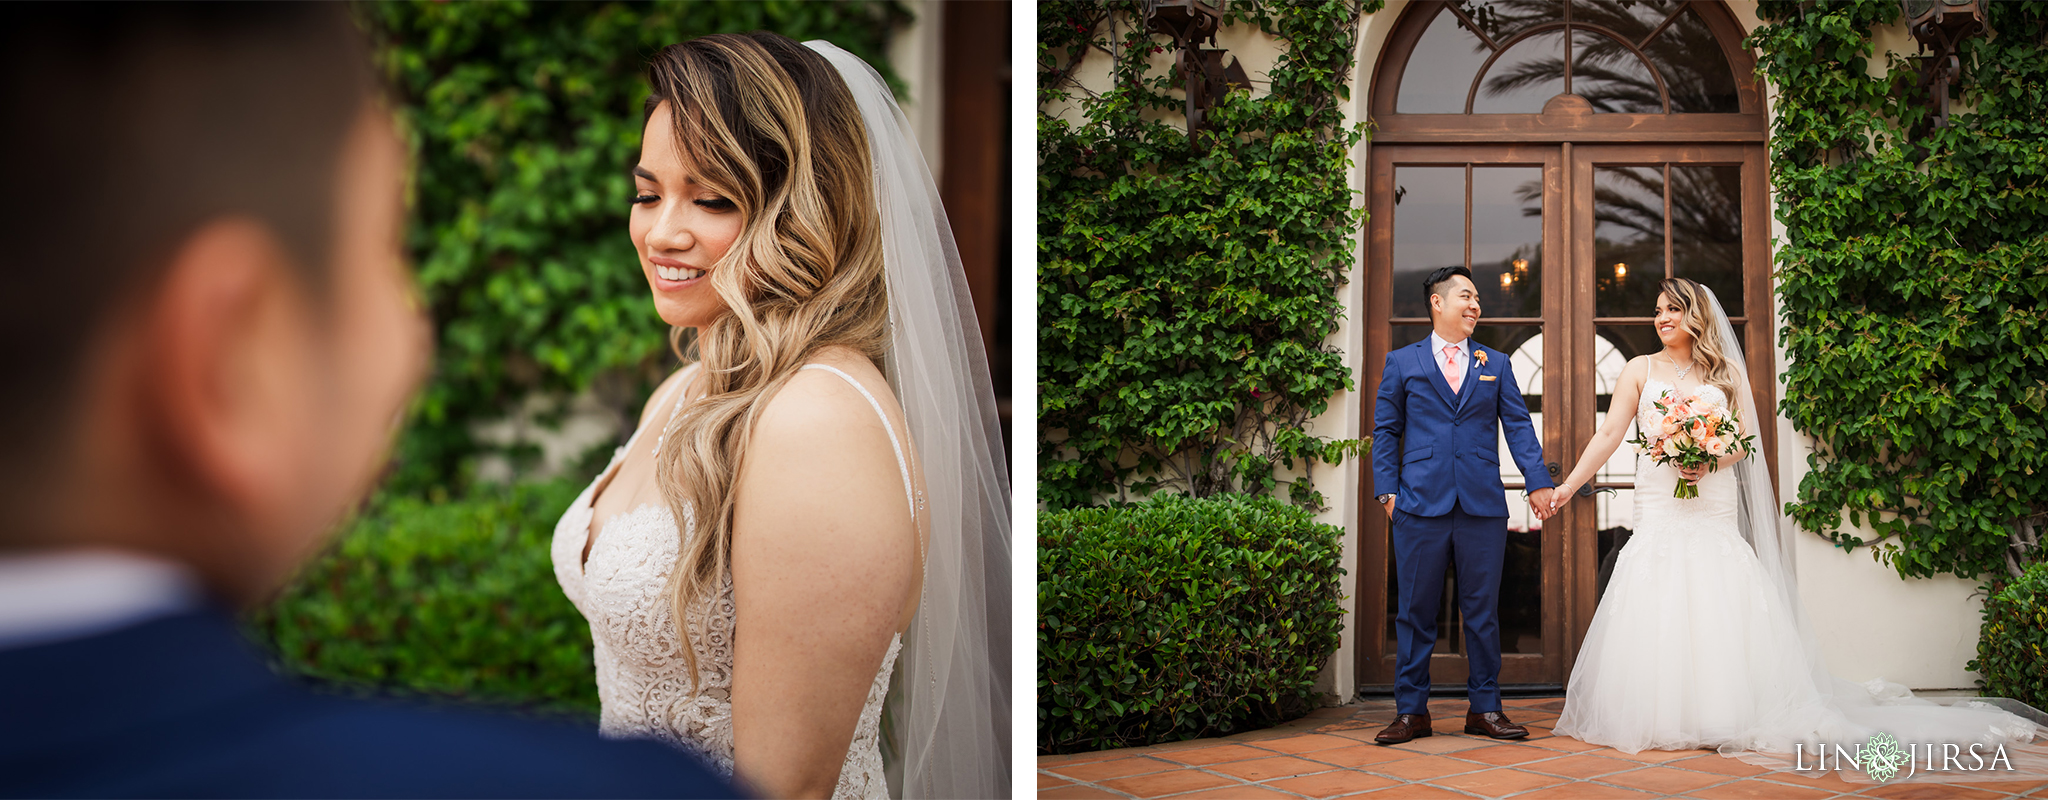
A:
(901, 465)
(623, 449)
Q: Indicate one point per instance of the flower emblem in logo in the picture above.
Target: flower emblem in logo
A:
(1882, 757)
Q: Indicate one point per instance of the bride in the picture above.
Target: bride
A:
(818, 497)
(1700, 640)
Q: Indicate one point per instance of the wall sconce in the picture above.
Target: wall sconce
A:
(1521, 267)
(1204, 76)
(1507, 280)
(1940, 26)
(1620, 271)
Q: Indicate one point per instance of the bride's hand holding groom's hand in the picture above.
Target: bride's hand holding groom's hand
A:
(1543, 503)
(1559, 496)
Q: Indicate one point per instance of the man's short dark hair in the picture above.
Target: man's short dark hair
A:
(1438, 276)
(129, 126)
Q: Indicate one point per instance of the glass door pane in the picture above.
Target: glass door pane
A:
(1644, 214)
(1489, 218)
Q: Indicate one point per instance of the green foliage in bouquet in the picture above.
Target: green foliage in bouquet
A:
(1187, 285)
(441, 599)
(523, 119)
(1177, 618)
(1914, 281)
(2010, 647)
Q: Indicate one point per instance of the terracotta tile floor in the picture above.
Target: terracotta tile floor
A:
(1330, 754)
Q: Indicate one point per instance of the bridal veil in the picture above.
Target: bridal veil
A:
(947, 720)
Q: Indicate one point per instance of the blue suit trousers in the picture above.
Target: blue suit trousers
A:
(1423, 548)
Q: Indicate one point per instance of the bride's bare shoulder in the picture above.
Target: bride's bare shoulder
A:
(818, 444)
(820, 402)
(1636, 371)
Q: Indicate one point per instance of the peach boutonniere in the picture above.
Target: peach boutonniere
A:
(1481, 355)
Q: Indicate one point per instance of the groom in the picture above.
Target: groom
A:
(209, 335)
(1436, 470)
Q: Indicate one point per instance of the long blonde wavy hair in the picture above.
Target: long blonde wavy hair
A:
(1714, 366)
(768, 124)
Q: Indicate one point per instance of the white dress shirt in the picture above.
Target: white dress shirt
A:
(52, 595)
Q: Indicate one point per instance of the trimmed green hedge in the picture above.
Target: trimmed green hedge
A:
(451, 599)
(1177, 618)
(2009, 649)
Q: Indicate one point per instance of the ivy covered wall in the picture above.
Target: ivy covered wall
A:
(1188, 285)
(1913, 279)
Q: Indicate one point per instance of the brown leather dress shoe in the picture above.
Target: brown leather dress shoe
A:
(1405, 727)
(1494, 724)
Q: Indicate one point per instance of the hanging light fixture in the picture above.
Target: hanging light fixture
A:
(1940, 26)
(1620, 271)
(1507, 280)
(1204, 76)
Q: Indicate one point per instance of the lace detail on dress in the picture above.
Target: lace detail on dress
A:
(643, 681)
(642, 678)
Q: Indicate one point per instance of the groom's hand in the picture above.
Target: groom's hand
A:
(1539, 503)
(1389, 506)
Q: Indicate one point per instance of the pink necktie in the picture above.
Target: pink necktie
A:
(1452, 374)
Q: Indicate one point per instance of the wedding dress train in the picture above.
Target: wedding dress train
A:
(1694, 645)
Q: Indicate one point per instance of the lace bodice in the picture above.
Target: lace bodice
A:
(643, 681)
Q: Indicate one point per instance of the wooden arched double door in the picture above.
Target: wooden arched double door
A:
(1572, 154)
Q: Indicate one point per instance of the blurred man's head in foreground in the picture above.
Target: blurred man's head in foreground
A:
(207, 334)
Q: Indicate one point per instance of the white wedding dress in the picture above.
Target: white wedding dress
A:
(1692, 646)
(643, 682)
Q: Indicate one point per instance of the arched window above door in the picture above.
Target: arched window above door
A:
(1619, 70)
(1513, 56)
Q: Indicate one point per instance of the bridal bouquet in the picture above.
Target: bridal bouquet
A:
(1693, 432)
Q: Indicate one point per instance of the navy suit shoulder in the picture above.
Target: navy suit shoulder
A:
(181, 706)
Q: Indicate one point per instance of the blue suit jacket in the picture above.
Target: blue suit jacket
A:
(181, 707)
(1434, 449)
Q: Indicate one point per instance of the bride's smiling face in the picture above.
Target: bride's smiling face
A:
(681, 228)
(1671, 323)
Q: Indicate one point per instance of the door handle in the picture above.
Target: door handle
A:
(1585, 491)
(1555, 468)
